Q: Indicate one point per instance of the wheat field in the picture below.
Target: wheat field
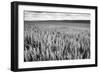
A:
(55, 42)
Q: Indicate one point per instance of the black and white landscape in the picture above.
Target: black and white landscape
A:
(56, 36)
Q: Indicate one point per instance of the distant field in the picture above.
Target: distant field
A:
(81, 23)
(62, 26)
(56, 40)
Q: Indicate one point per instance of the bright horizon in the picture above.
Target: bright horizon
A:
(43, 16)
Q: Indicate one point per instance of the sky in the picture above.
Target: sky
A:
(43, 16)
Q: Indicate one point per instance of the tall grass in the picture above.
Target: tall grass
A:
(44, 45)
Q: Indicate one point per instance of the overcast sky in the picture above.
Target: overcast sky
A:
(41, 16)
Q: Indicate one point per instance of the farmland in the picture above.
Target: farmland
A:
(45, 41)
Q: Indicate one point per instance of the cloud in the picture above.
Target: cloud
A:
(35, 16)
